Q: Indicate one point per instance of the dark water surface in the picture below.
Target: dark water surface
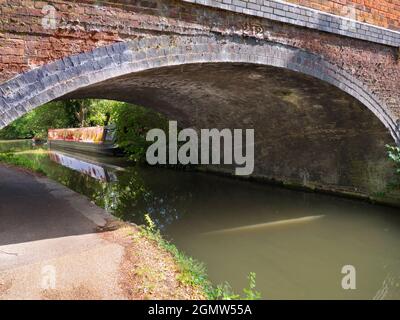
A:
(296, 242)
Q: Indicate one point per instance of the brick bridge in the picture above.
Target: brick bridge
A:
(317, 80)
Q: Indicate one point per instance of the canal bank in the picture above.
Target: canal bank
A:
(56, 244)
(390, 196)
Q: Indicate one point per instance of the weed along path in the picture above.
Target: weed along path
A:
(56, 244)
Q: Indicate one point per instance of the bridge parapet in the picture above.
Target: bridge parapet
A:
(345, 22)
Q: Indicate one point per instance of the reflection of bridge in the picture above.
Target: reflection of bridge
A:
(308, 82)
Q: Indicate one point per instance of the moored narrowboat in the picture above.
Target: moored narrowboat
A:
(100, 140)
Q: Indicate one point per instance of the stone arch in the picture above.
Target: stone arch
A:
(54, 80)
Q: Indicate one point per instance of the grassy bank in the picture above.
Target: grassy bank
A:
(23, 162)
(193, 272)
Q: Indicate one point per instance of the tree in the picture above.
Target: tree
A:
(104, 112)
(133, 123)
(77, 111)
(37, 122)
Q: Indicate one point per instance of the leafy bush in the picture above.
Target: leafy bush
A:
(104, 112)
(133, 123)
(37, 122)
(225, 291)
(394, 155)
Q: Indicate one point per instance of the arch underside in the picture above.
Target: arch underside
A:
(307, 131)
(314, 124)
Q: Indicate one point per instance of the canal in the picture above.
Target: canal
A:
(296, 242)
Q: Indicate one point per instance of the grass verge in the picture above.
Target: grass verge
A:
(193, 272)
(24, 162)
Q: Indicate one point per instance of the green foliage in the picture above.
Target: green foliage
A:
(51, 115)
(394, 155)
(61, 114)
(225, 291)
(133, 123)
(250, 292)
(77, 111)
(24, 162)
(150, 225)
(37, 122)
(104, 112)
(193, 272)
(19, 129)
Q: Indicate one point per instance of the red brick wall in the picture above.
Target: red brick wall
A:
(382, 13)
(81, 26)
(24, 43)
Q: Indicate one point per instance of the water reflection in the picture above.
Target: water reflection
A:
(96, 171)
(126, 191)
(296, 242)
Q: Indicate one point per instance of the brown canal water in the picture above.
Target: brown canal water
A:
(295, 242)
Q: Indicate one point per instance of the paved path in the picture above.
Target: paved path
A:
(49, 247)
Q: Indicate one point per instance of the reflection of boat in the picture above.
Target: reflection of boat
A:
(94, 170)
(92, 139)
